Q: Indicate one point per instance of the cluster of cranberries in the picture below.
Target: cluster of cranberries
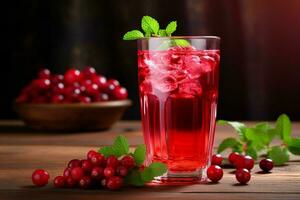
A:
(243, 165)
(93, 172)
(74, 86)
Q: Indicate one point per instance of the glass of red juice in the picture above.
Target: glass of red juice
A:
(178, 86)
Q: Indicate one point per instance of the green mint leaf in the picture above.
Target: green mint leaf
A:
(120, 146)
(294, 146)
(107, 151)
(158, 168)
(133, 35)
(256, 138)
(181, 43)
(150, 25)
(284, 127)
(171, 28)
(278, 155)
(147, 175)
(153, 170)
(139, 154)
(251, 151)
(240, 128)
(162, 33)
(148, 34)
(227, 143)
(134, 178)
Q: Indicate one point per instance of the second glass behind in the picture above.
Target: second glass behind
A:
(178, 85)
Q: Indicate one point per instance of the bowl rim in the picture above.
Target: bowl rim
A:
(105, 104)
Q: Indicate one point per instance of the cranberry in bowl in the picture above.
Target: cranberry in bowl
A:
(76, 101)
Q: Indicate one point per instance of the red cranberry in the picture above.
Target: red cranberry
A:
(86, 165)
(120, 93)
(89, 72)
(128, 162)
(40, 177)
(90, 154)
(72, 76)
(244, 162)
(248, 162)
(67, 172)
(74, 163)
(109, 172)
(233, 156)
(58, 88)
(112, 161)
(97, 173)
(92, 89)
(44, 73)
(97, 159)
(100, 81)
(57, 98)
(114, 183)
(59, 182)
(77, 173)
(101, 97)
(122, 171)
(266, 165)
(85, 182)
(216, 159)
(57, 78)
(104, 182)
(85, 99)
(70, 182)
(110, 89)
(242, 175)
(214, 173)
(113, 82)
(42, 83)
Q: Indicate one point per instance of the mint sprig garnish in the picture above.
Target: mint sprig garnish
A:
(133, 35)
(150, 25)
(138, 175)
(171, 28)
(151, 28)
(256, 141)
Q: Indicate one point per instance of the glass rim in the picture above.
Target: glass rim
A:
(183, 37)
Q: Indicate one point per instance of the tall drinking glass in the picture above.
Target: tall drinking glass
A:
(178, 85)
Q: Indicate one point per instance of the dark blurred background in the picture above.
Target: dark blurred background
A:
(260, 62)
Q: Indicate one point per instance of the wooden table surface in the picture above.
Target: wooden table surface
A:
(23, 150)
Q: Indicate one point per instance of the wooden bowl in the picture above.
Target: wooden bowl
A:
(72, 116)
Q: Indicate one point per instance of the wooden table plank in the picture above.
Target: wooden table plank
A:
(22, 150)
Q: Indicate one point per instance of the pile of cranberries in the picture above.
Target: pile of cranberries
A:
(93, 172)
(243, 165)
(74, 86)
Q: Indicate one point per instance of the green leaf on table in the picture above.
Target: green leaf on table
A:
(294, 146)
(107, 151)
(181, 43)
(134, 178)
(284, 127)
(133, 35)
(171, 28)
(120, 146)
(150, 25)
(139, 154)
(162, 33)
(227, 143)
(153, 170)
(239, 127)
(251, 151)
(279, 155)
(139, 178)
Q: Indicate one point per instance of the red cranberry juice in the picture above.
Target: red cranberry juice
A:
(178, 95)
